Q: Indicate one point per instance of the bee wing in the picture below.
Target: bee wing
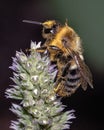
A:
(86, 75)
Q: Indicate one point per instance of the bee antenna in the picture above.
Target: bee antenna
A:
(33, 22)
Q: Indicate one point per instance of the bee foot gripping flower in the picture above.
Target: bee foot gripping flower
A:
(39, 108)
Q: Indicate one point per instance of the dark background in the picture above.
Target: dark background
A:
(87, 18)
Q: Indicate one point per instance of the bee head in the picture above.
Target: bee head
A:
(50, 27)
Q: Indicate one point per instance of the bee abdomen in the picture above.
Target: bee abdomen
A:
(73, 78)
(73, 81)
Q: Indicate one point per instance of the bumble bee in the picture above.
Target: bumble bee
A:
(65, 50)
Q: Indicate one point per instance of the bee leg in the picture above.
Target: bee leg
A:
(41, 49)
(57, 85)
(65, 69)
(71, 90)
(59, 77)
(62, 72)
(60, 90)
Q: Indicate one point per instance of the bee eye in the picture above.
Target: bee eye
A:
(48, 30)
(54, 26)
